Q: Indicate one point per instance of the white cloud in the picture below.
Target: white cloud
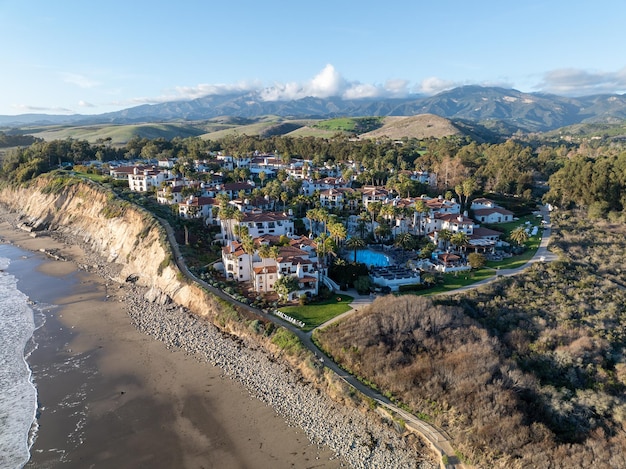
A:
(79, 80)
(82, 103)
(397, 88)
(434, 85)
(28, 108)
(576, 82)
(199, 91)
(329, 83)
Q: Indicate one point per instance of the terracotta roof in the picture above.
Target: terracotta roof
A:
(488, 211)
(296, 242)
(237, 186)
(269, 269)
(482, 232)
(454, 218)
(200, 201)
(337, 190)
(482, 200)
(265, 216)
(447, 257)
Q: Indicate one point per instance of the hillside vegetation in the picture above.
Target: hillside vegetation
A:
(119, 134)
(422, 126)
(527, 372)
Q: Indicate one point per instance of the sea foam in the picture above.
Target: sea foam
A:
(18, 396)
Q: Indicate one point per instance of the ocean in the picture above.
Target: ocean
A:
(18, 395)
(20, 316)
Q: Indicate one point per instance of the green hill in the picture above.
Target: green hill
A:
(119, 134)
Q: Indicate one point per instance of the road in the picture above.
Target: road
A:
(436, 437)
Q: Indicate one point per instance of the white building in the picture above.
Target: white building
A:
(197, 207)
(487, 211)
(147, 179)
(262, 223)
(263, 273)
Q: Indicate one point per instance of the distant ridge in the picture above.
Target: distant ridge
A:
(514, 110)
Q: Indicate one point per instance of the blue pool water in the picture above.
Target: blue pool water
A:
(370, 258)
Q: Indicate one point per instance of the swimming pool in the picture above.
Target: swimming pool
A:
(370, 258)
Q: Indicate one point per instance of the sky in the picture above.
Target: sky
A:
(91, 57)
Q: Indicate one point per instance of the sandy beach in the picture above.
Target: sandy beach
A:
(111, 396)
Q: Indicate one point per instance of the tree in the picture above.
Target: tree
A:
(262, 177)
(325, 246)
(405, 241)
(459, 239)
(285, 285)
(362, 220)
(249, 247)
(226, 214)
(519, 235)
(237, 216)
(382, 231)
(355, 243)
(268, 252)
(476, 260)
(420, 210)
(373, 208)
(284, 197)
(337, 231)
(444, 235)
(318, 215)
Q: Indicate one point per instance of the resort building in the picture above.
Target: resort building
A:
(147, 179)
(261, 223)
(263, 273)
(198, 207)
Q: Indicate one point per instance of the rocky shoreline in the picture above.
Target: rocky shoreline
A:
(361, 441)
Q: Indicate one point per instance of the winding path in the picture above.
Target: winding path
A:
(438, 439)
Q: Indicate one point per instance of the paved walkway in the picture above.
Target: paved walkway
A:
(436, 437)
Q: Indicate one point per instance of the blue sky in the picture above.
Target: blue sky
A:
(77, 56)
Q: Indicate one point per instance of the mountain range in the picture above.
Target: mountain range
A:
(507, 109)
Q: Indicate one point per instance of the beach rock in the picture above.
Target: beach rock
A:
(154, 295)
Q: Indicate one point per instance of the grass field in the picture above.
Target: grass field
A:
(119, 134)
(315, 314)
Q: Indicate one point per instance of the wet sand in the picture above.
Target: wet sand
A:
(111, 396)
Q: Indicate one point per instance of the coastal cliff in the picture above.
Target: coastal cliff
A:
(135, 246)
(119, 231)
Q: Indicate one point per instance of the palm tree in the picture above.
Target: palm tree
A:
(249, 247)
(373, 208)
(226, 214)
(459, 239)
(420, 210)
(469, 186)
(362, 220)
(355, 243)
(519, 235)
(338, 232)
(325, 246)
(445, 236)
(382, 231)
(405, 241)
(237, 216)
(268, 252)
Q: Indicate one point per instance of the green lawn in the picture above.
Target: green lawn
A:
(461, 279)
(94, 177)
(315, 314)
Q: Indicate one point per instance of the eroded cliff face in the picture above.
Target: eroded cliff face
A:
(120, 232)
